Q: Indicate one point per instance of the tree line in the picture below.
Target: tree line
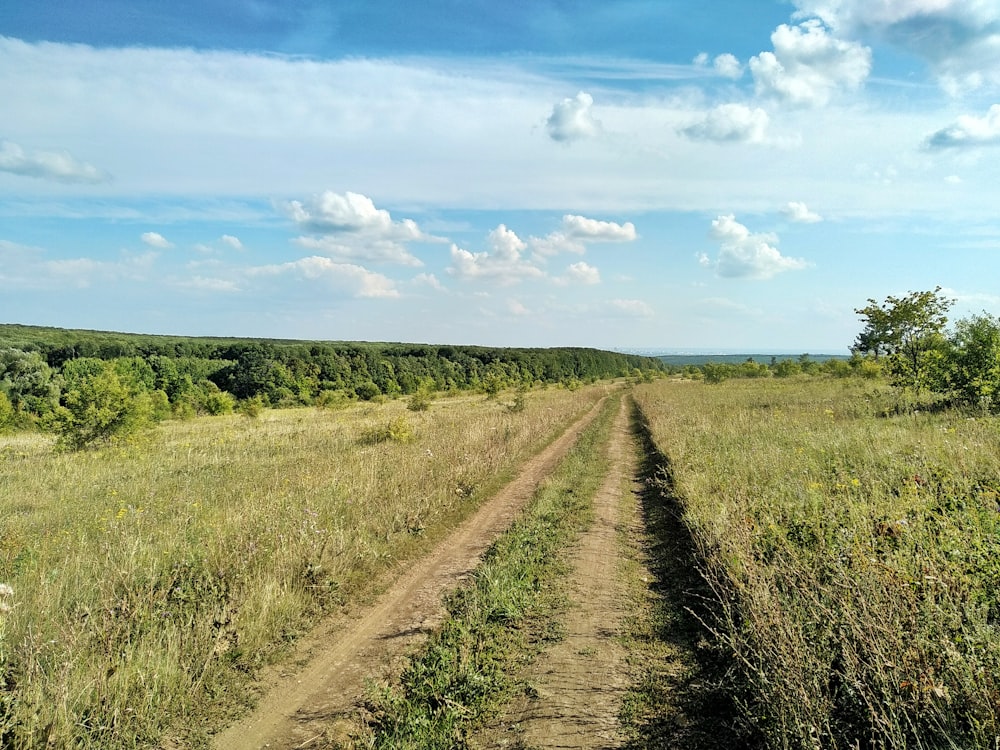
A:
(45, 372)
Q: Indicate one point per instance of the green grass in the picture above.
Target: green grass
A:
(855, 556)
(468, 669)
(151, 581)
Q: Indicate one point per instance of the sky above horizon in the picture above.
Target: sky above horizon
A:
(642, 174)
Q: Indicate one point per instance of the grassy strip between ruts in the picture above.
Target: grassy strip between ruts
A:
(468, 668)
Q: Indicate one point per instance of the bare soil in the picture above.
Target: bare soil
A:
(311, 707)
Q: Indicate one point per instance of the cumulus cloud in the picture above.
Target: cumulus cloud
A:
(594, 230)
(349, 227)
(572, 119)
(728, 66)
(959, 38)
(351, 278)
(730, 123)
(579, 273)
(231, 241)
(800, 214)
(743, 254)
(59, 166)
(808, 65)
(157, 240)
(502, 263)
(578, 231)
(968, 132)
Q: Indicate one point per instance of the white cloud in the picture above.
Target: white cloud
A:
(83, 272)
(959, 38)
(746, 255)
(377, 251)
(334, 213)
(502, 264)
(632, 308)
(209, 284)
(572, 119)
(730, 123)
(157, 240)
(577, 231)
(808, 65)
(968, 132)
(593, 230)
(728, 66)
(350, 227)
(355, 279)
(799, 213)
(579, 273)
(231, 241)
(59, 166)
(428, 279)
(515, 307)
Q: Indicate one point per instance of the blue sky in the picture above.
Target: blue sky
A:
(740, 174)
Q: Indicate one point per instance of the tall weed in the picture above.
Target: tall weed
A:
(855, 554)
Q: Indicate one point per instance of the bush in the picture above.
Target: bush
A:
(368, 391)
(6, 411)
(219, 402)
(331, 399)
(420, 401)
(100, 409)
(398, 430)
(252, 407)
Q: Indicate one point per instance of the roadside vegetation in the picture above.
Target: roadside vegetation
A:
(468, 670)
(144, 584)
(852, 542)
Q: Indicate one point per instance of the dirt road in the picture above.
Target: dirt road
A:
(304, 710)
(578, 684)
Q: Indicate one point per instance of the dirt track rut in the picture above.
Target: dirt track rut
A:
(578, 684)
(304, 709)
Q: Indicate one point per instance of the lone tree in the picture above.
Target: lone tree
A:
(909, 331)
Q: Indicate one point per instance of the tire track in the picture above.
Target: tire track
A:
(306, 708)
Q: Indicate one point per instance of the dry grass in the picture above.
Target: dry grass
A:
(855, 556)
(151, 581)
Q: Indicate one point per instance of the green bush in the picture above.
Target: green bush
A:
(6, 411)
(99, 409)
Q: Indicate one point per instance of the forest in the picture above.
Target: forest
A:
(45, 369)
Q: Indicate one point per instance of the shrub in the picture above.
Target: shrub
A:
(397, 430)
(6, 411)
(252, 407)
(367, 391)
(100, 408)
(219, 402)
(331, 399)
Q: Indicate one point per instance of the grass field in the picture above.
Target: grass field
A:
(854, 554)
(148, 582)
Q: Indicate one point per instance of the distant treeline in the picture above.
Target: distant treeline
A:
(39, 366)
(715, 369)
